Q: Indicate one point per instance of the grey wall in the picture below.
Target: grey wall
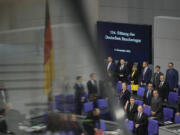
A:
(137, 11)
(22, 41)
(167, 41)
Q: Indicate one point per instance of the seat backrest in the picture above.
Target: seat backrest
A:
(139, 102)
(177, 119)
(119, 87)
(102, 103)
(140, 91)
(129, 88)
(88, 107)
(167, 114)
(153, 127)
(147, 110)
(70, 99)
(172, 98)
(102, 125)
(130, 125)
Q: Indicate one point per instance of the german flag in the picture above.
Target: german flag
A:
(48, 54)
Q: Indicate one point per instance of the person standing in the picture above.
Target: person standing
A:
(79, 94)
(172, 77)
(122, 71)
(140, 122)
(156, 77)
(163, 89)
(131, 109)
(146, 74)
(124, 95)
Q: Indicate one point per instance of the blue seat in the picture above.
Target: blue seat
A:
(102, 103)
(167, 114)
(70, 99)
(70, 133)
(59, 102)
(129, 88)
(173, 98)
(147, 110)
(88, 107)
(130, 125)
(139, 102)
(119, 87)
(153, 127)
(177, 119)
(140, 91)
(102, 125)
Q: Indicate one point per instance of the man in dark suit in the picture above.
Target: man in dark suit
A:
(163, 89)
(156, 77)
(172, 77)
(3, 124)
(146, 74)
(124, 95)
(156, 106)
(140, 122)
(110, 65)
(92, 86)
(122, 71)
(131, 109)
(79, 94)
(148, 94)
(91, 123)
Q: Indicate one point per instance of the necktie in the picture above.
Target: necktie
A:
(147, 93)
(139, 115)
(131, 106)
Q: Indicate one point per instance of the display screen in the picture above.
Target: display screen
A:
(128, 41)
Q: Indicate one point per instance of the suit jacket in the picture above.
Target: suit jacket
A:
(124, 97)
(124, 72)
(75, 127)
(135, 77)
(172, 78)
(92, 88)
(3, 125)
(111, 68)
(143, 122)
(163, 91)
(131, 113)
(147, 100)
(156, 106)
(156, 79)
(146, 78)
(79, 92)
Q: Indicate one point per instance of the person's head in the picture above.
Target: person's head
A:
(92, 76)
(171, 65)
(96, 112)
(140, 109)
(150, 86)
(122, 61)
(124, 85)
(162, 78)
(110, 59)
(132, 100)
(157, 68)
(145, 64)
(155, 94)
(2, 111)
(79, 79)
(134, 68)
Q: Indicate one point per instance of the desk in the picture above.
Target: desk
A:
(173, 129)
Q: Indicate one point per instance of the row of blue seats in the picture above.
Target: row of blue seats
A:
(153, 126)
